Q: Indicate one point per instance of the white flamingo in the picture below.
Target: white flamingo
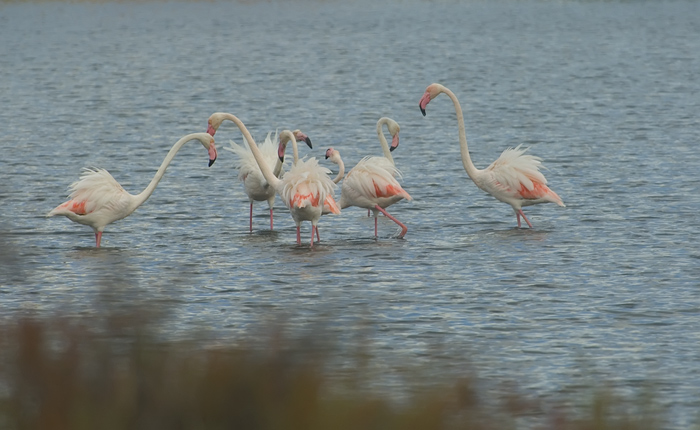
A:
(97, 199)
(372, 183)
(303, 189)
(514, 177)
(254, 184)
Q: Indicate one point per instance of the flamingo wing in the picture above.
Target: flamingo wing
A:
(373, 179)
(516, 175)
(307, 184)
(96, 190)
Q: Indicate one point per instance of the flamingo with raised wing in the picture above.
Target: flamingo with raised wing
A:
(256, 187)
(514, 177)
(97, 199)
(303, 189)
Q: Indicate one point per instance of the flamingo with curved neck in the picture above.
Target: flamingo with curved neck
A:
(254, 184)
(303, 189)
(97, 199)
(514, 177)
(372, 183)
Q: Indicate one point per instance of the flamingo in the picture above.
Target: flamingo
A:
(372, 183)
(303, 189)
(97, 199)
(254, 184)
(514, 177)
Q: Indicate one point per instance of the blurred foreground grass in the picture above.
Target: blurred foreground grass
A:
(64, 374)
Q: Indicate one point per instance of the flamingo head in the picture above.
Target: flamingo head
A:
(394, 131)
(208, 142)
(334, 155)
(281, 149)
(299, 136)
(431, 92)
(214, 122)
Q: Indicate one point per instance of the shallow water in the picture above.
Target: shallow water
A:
(608, 94)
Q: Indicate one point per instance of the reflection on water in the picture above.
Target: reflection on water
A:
(603, 92)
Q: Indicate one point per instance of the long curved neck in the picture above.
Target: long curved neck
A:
(472, 171)
(382, 140)
(341, 171)
(295, 148)
(259, 158)
(145, 194)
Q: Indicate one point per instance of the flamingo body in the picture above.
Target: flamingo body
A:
(372, 182)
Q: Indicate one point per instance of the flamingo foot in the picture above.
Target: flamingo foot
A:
(98, 238)
(404, 229)
(519, 214)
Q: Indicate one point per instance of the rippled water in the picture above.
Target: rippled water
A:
(606, 289)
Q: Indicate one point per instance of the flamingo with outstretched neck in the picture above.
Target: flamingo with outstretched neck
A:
(303, 189)
(514, 177)
(97, 199)
(256, 187)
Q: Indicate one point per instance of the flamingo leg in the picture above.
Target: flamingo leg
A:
(517, 215)
(404, 229)
(318, 236)
(251, 217)
(313, 228)
(98, 238)
(270, 218)
(520, 213)
(298, 235)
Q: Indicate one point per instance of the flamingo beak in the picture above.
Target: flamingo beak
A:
(395, 142)
(212, 153)
(301, 136)
(424, 102)
(280, 152)
(329, 151)
(211, 130)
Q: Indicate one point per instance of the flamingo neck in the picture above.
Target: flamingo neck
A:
(382, 140)
(472, 171)
(259, 158)
(341, 171)
(145, 194)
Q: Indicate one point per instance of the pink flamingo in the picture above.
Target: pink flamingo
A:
(254, 184)
(514, 177)
(303, 189)
(372, 183)
(97, 199)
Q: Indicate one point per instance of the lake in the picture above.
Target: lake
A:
(603, 291)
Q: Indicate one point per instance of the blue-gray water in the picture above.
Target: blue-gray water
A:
(602, 292)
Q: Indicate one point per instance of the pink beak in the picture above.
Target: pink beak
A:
(212, 154)
(211, 130)
(424, 102)
(394, 142)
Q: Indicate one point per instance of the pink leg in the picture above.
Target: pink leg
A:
(251, 217)
(98, 238)
(318, 236)
(517, 215)
(520, 213)
(270, 218)
(298, 235)
(313, 228)
(404, 229)
(375, 226)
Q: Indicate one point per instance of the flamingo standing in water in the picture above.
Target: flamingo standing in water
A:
(254, 184)
(97, 199)
(372, 183)
(514, 177)
(303, 189)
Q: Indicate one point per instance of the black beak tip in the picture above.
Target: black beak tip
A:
(211, 162)
(391, 149)
(422, 110)
(308, 142)
(281, 159)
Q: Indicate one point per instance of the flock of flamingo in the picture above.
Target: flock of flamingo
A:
(97, 199)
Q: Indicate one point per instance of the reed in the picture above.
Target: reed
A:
(63, 373)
